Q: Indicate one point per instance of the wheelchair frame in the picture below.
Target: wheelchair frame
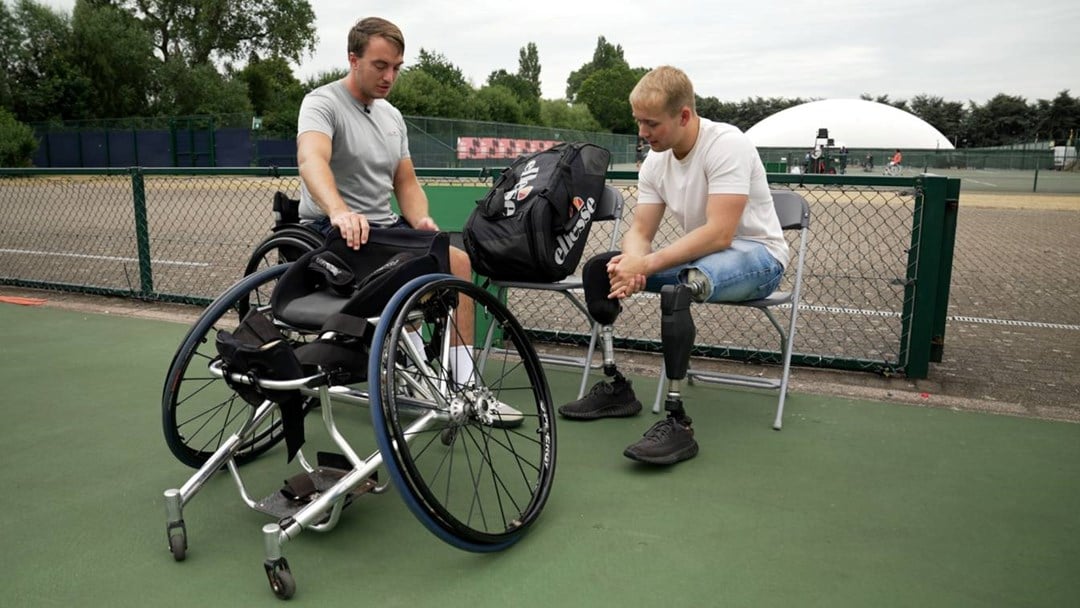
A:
(412, 402)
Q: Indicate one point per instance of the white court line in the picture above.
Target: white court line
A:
(975, 181)
(889, 313)
(957, 318)
(111, 258)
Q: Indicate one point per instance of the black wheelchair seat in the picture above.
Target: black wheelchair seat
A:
(336, 280)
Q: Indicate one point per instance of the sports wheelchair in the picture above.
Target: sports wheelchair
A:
(374, 328)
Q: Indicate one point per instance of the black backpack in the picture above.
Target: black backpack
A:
(533, 224)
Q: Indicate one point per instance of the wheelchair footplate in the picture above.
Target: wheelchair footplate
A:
(304, 487)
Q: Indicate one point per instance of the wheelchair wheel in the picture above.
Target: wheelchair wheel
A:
(200, 411)
(282, 247)
(473, 482)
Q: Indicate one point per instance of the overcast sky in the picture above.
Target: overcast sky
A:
(957, 49)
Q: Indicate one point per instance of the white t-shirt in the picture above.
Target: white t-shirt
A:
(722, 161)
(367, 145)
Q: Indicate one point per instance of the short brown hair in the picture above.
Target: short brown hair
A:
(364, 29)
(666, 86)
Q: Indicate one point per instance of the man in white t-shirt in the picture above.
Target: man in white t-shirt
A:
(352, 149)
(709, 176)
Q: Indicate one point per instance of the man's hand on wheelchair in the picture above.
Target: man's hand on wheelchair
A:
(427, 223)
(353, 226)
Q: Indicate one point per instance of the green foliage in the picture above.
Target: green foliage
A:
(607, 94)
(1059, 119)
(524, 92)
(746, 113)
(605, 56)
(441, 70)
(113, 51)
(560, 114)
(204, 30)
(43, 80)
(945, 116)
(529, 67)
(199, 89)
(419, 93)
(497, 103)
(17, 141)
(275, 94)
(322, 78)
(1004, 119)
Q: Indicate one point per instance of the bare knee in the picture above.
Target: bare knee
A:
(460, 266)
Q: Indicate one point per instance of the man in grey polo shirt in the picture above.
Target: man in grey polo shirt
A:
(353, 153)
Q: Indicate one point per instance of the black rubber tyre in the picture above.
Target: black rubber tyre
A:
(284, 246)
(476, 485)
(199, 411)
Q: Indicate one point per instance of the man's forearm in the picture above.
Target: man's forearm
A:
(323, 189)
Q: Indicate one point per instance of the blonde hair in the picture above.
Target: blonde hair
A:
(361, 34)
(667, 87)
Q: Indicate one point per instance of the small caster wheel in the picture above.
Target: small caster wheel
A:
(448, 435)
(281, 579)
(178, 547)
(177, 533)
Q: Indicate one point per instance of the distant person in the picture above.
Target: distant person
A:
(642, 151)
(868, 162)
(897, 158)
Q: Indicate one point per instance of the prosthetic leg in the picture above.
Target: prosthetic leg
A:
(606, 399)
(677, 333)
(672, 440)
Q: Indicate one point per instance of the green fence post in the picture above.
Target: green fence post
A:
(948, 247)
(173, 142)
(142, 232)
(923, 270)
(135, 146)
(1035, 184)
(213, 144)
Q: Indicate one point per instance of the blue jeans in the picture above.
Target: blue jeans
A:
(744, 271)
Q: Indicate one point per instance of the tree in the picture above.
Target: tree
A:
(945, 116)
(901, 104)
(528, 99)
(43, 80)
(561, 114)
(604, 57)
(607, 93)
(197, 90)
(9, 47)
(201, 31)
(1004, 119)
(274, 92)
(497, 103)
(17, 141)
(418, 93)
(439, 67)
(1059, 119)
(529, 67)
(111, 49)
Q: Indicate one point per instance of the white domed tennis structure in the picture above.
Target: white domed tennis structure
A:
(855, 123)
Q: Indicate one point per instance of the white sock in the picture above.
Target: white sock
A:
(461, 358)
(417, 341)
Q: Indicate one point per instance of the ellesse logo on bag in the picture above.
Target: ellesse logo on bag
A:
(520, 189)
(565, 242)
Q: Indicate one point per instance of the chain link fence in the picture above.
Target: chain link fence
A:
(853, 301)
(186, 235)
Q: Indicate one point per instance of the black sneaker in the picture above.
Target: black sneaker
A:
(604, 400)
(666, 442)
